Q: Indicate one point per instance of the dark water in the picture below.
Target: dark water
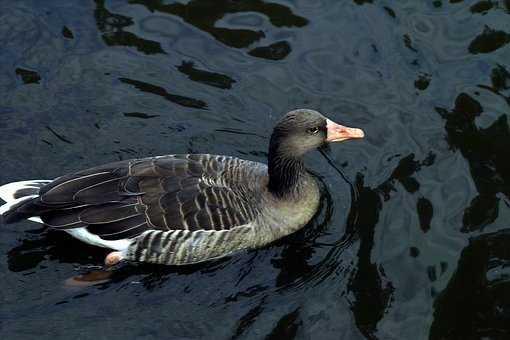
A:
(422, 250)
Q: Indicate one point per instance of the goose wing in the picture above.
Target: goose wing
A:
(123, 199)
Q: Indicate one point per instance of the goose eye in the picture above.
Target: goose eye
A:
(313, 130)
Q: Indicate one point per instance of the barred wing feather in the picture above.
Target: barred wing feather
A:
(123, 199)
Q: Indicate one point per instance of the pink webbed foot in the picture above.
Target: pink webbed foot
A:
(113, 258)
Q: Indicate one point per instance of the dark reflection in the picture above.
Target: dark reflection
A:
(66, 32)
(500, 79)
(112, 27)
(293, 261)
(204, 14)
(276, 51)
(139, 115)
(251, 291)
(425, 213)
(422, 82)
(154, 276)
(205, 77)
(59, 136)
(49, 244)
(408, 43)
(476, 303)
(287, 327)
(488, 41)
(159, 91)
(486, 150)
(248, 319)
(403, 173)
(371, 290)
(27, 76)
(362, 2)
(293, 264)
(431, 273)
(482, 6)
(246, 133)
(390, 12)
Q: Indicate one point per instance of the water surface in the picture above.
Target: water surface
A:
(420, 250)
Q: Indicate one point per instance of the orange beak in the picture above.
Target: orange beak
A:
(339, 133)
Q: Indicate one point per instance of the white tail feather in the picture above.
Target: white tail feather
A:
(7, 206)
(30, 189)
(8, 191)
(12, 194)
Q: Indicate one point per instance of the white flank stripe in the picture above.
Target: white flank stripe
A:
(84, 235)
(36, 219)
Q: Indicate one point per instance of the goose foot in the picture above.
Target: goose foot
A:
(113, 258)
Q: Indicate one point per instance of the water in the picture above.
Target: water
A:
(419, 249)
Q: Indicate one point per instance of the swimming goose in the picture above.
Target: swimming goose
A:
(183, 209)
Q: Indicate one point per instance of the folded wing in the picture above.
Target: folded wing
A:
(123, 199)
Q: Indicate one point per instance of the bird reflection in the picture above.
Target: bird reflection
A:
(44, 244)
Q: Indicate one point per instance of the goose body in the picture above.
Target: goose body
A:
(180, 209)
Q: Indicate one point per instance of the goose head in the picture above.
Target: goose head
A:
(298, 132)
(303, 130)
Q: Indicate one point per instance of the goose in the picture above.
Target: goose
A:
(184, 208)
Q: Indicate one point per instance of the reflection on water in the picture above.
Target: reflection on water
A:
(209, 78)
(370, 289)
(476, 303)
(500, 79)
(485, 149)
(411, 240)
(484, 6)
(44, 244)
(205, 14)
(112, 28)
(276, 51)
(67, 33)
(159, 91)
(489, 41)
(28, 76)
